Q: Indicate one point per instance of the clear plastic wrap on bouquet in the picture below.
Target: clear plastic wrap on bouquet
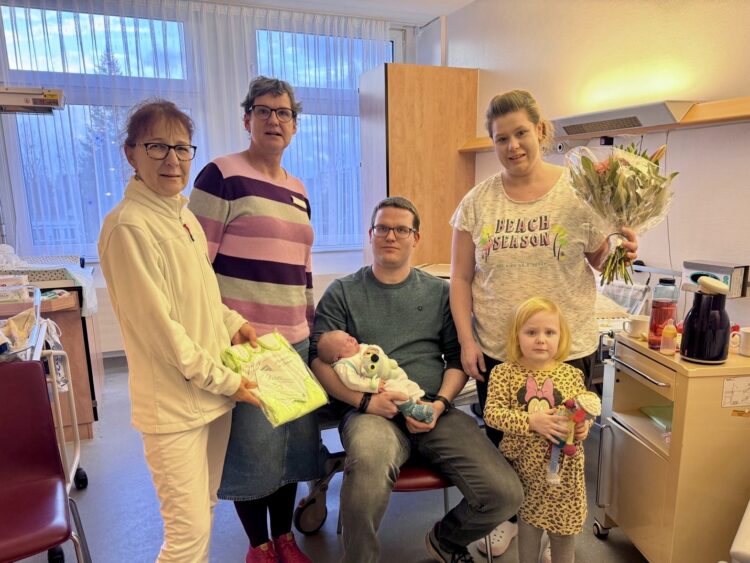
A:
(624, 188)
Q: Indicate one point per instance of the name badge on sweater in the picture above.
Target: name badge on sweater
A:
(299, 202)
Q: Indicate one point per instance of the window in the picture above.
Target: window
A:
(325, 155)
(63, 173)
(71, 162)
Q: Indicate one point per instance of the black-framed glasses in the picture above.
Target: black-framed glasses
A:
(381, 231)
(159, 151)
(284, 115)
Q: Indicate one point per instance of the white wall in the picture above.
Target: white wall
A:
(579, 56)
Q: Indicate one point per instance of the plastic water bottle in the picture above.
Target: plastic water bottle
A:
(668, 337)
(663, 308)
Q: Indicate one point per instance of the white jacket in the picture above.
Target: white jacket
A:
(164, 292)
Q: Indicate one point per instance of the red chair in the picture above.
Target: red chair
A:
(35, 509)
(415, 478)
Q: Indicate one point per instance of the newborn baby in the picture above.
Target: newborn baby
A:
(366, 368)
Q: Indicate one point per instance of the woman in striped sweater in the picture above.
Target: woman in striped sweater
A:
(257, 221)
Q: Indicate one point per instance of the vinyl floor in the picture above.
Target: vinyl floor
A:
(121, 518)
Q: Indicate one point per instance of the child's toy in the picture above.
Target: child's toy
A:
(379, 368)
(586, 405)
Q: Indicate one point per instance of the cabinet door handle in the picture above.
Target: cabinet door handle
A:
(600, 465)
(640, 373)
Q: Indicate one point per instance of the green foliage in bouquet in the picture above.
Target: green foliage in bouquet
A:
(626, 189)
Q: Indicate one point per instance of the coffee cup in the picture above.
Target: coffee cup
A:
(636, 326)
(739, 341)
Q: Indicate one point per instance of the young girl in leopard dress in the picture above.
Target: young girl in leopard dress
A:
(523, 400)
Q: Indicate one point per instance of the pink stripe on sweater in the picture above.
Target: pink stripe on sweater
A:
(261, 225)
(237, 165)
(266, 318)
(265, 249)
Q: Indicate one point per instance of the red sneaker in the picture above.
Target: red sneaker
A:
(288, 551)
(264, 553)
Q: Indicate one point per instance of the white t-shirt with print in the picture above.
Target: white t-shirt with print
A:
(526, 249)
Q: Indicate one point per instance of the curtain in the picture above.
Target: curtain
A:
(60, 174)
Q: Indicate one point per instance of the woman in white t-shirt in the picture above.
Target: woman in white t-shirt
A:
(522, 233)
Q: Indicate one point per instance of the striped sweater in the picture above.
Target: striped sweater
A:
(260, 243)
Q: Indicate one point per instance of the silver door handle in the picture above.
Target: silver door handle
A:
(643, 375)
(599, 475)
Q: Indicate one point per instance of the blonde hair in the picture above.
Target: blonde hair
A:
(523, 313)
(517, 100)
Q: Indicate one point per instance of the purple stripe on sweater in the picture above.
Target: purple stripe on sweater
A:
(260, 270)
(210, 180)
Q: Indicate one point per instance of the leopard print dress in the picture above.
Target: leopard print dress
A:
(513, 393)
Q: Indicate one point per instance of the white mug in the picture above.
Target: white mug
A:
(739, 341)
(636, 325)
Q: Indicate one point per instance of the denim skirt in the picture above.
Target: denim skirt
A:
(260, 458)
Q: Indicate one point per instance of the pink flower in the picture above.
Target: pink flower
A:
(602, 167)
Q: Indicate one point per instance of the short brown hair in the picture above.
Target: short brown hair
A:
(523, 313)
(517, 100)
(400, 203)
(147, 113)
(262, 85)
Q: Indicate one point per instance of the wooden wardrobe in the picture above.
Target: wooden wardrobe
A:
(413, 119)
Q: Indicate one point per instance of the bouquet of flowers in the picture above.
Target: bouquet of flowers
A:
(624, 188)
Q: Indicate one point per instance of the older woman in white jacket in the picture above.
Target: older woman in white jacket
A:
(166, 297)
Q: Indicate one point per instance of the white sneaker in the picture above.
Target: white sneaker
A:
(546, 551)
(500, 539)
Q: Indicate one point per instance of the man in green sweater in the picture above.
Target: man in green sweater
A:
(407, 313)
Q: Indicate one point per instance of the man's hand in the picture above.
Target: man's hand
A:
(472, 360)
(243, 393)
(382, 404)
(549, 424)
(245, 334)
(418, 427)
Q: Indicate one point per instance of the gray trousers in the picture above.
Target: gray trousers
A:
(376, 448)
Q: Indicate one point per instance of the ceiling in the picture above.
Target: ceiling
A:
(411, 12)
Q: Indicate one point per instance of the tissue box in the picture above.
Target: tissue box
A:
(14, 294)
(6, 280)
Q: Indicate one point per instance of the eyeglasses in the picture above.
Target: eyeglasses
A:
(284, 115)
(381, 231)
(159, 151)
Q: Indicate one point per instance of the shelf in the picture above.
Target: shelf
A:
(703, 114)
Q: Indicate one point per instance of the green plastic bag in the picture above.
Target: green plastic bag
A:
(286, 388)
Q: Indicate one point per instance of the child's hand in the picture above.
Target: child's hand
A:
(381, 386)
(582, 430)
(549, 425)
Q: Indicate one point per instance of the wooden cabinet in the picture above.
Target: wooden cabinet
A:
(66, 313)
(680, 495)
(412, 118)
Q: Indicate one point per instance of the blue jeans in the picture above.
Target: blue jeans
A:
(376, 447)
(261, 459)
